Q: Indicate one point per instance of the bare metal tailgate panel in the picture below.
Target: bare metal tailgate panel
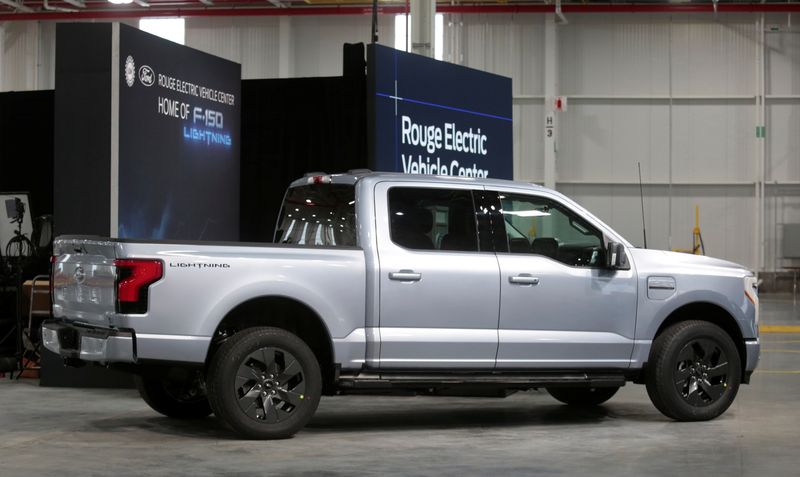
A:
(83, 280)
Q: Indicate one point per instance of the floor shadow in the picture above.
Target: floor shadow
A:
(472, 417)
(205, 428)
(400, 417)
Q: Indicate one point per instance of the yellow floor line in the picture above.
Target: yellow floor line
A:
(777, 371)
(765, 342)
(773, 350)
(779, 329)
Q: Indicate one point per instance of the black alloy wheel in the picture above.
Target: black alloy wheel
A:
(702, 372)
(265, 383)
(694, 371)
(270, 385)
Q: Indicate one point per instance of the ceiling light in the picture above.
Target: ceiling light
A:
(120, 2)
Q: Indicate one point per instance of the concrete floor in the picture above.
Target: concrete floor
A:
(49, 431)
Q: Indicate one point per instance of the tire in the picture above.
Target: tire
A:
(694, 371)
(265, 383)
(174, 399)
(583, 397)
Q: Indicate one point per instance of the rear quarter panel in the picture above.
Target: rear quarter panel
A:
(202, 283)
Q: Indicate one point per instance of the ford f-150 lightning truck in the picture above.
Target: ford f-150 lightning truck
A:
(383, 282)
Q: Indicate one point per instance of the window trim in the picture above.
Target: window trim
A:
(502, 237)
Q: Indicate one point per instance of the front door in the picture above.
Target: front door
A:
(439, 292)
(560, 306)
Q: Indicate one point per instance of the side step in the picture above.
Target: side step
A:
(405, 380)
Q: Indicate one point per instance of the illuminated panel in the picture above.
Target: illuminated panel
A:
(179, 114)
(434, 117)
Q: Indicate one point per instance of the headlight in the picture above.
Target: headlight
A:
(751, 292)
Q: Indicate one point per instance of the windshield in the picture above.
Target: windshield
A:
(318, 215)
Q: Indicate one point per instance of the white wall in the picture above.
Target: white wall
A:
(275, 47)
(618, 72)
(267, 47)
(713, 158)
(27, 56)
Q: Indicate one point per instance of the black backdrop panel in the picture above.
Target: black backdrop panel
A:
(294, 126)
(82, 169)
(26, 164)
(82, 165)
(26, 147)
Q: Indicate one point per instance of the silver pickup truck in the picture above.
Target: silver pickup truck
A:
(381, 283)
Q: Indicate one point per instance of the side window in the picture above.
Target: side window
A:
(432, 219)
(543, 227)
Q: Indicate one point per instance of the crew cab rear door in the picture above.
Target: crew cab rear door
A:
(439, 290)
(560, 306)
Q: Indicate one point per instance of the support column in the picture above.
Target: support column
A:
(422, 14)
(285, 51)
(550, 92)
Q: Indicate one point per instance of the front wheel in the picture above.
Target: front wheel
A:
(583, 397)
(694, 371)
(265, 383)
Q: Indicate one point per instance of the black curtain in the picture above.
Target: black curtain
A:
(26, 165)
(26, 147)
(291, 127)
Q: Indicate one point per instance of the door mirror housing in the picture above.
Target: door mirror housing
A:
(616, 258)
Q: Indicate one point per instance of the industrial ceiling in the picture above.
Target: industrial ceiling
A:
(11, 10)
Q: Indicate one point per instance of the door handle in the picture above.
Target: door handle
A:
(524, 279)
(405, 276)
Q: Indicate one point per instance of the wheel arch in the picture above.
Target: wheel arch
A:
(285, 313)
(712, 313)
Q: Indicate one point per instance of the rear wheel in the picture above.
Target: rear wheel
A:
(583, 396)
(694, 371)
(265, 383)
(182, 400)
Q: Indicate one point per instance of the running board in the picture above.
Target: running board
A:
(384, 380)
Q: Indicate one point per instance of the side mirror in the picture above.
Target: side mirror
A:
(616, 258)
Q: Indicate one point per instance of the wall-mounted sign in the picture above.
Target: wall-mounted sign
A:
(431, 117)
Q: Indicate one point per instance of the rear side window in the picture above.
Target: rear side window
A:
(318, 215)
(433, 219)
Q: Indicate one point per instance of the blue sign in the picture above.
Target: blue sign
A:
(179, 114)
(432, 117)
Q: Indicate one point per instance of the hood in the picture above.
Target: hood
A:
(661, 260)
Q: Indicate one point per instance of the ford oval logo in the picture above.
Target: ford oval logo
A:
(79, 276)
(146, 75)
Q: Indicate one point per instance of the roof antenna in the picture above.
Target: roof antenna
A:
(641, 195)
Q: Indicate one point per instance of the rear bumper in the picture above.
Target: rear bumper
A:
(104, 345)
(88, 343)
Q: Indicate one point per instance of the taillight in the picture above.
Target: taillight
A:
(134, 278)
(319, 179)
